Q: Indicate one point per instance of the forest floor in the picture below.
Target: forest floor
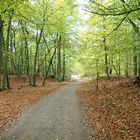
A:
(114, 110)
(21, 96)
(58, 116)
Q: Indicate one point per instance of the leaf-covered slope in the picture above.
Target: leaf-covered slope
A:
(114, 110)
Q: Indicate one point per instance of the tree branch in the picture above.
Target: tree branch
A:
(133, 25)
(113, 14)
(119, 24)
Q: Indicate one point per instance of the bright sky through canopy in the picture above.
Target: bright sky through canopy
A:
(81, 1)
(83, 15)
(81, 4)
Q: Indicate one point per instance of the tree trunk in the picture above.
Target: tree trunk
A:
(63, 76)
(135, 61)
(28, 71)
(106, 58)
(138, 64)
(119, 65)
(48, 69)
(97, 75)
(6, 83)
(1, 51)
(38, 39)
(126, 66)
(59, 60)
(136, 30)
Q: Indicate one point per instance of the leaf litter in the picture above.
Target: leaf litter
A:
(14, 101)
(114, 110)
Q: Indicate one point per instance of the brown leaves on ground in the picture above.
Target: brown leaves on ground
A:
(14, 101)
(114, 110)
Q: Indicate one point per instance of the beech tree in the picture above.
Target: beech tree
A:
(112, 34)
(51, 39)
(7, 10)
(35, 39)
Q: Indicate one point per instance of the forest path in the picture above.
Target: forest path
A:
(58, 116)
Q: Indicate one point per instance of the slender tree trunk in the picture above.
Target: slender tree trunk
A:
(119, 65)
(110, 68)
(48, 69)
(6, 83)
(126, 66)
(63, 77)
(117, 73)
(15, 53)
(53, 70)
(97, 75)
(38, 39)
(35, 64)
(115, 69)
(59, 78)
(106, 58)
(1, 51)
(12, 62)
(135, 61)
(28, 71)
(55, 64)
(138, 63)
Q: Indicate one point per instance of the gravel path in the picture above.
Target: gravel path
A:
(57, 116)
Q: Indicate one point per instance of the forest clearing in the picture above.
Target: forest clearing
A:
(71, 68)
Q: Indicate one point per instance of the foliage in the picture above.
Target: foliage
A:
(37, 40)
(112, 36)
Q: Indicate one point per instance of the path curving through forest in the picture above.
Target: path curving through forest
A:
(58, 116)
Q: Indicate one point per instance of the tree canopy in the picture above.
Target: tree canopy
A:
(55, 38)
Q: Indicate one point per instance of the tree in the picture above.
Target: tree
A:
(33, 44)
(1, 50)
(111, 37)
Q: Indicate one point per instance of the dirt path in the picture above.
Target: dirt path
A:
(55, 117)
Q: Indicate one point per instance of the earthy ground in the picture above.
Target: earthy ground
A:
(114, 110)
(58, 116)
(14, 101)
